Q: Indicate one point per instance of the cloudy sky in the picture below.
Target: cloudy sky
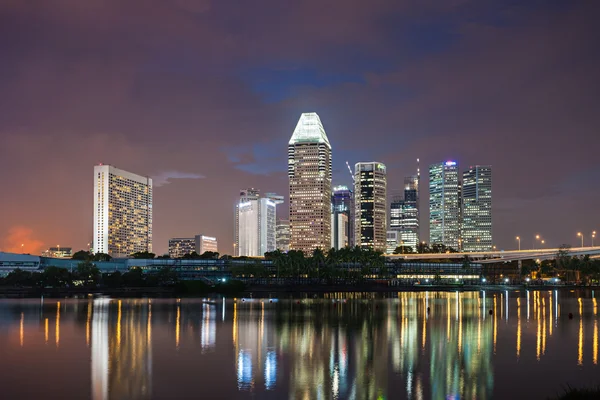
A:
(203, 95)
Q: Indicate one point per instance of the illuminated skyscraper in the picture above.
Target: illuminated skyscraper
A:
(342, 217)
(283, 235)
(309, 171)
(122, 212)
(444, 204)
(255, 224)
(370, 191)
(477, 208)
(404, 214)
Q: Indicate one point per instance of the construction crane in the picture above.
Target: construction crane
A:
(350, 170)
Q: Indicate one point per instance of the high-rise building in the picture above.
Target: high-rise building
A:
(392, 242)
(206, 243)
(370, 196)
(179, 247)
(477, 208)
(309, 172)
(283, 235)
(255, 230)
(404, 214)
(342, 217)
(444, 204)
(122, 212)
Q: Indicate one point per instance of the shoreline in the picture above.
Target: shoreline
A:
(253, 290)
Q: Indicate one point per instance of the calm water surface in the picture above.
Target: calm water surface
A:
(339, 346)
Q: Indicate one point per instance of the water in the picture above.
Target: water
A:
(352, 346)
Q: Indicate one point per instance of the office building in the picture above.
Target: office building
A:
(283, 235)
(404, 214)
(477, 208)
(206, 243)
(58, 252)
(444, 204)
(122, 212)
(179, 247)
(309, 172)
(255, 226)
(370, 196)
(393, 241)
(342, 217)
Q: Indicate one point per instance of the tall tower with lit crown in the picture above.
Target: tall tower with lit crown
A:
(309, 172)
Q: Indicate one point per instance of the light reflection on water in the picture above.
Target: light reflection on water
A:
(420, 345)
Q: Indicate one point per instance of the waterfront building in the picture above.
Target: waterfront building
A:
(309, 172)
(342, 217)
(283, 235)
(206, 243)
(393, 241)
(179, 247)
(477, 208)
(255, 226)
(58, 252)
(444, 204)
(404, 213)
(370, 191)
(122, 212)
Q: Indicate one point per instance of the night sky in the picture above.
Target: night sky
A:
(203, 96)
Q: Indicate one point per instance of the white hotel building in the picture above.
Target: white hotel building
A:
(255, 224)
(122, 212)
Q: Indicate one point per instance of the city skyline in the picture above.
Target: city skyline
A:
(207, 109)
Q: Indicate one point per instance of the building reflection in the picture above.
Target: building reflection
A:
(121, 349)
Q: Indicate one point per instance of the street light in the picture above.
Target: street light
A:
(579, 234)
(537, 237)
(593, 236)
(543, 241)
(519, 240)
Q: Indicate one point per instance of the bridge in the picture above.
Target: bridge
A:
(489, 257)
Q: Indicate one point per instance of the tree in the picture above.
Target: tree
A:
(143, 255)
(101, 257)
(57, 277)
(113, 280)
(212, 255)
(403, 250)
(82, 255)
(88, 273)
(423, 248)
(133, 278)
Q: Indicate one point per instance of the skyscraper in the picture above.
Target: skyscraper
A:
(309, 172)
(255, 232)
(122, 212)
(477, 208)
(370, 191)
(404, 214)
(342, 217)
(283, 235)
(444, 204)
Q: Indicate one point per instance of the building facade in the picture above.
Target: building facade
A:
(404, 214)
(309, 172)
(255, 229)
(444, 204)
(179, 247)
(122, 212)
(283, 235)
(342, 217)
(370, 191)
(392, 242)
(477, 209)
(58, 252)
(206, 243)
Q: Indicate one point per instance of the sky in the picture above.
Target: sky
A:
(203, 96)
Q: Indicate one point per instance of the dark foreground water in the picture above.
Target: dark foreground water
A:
(343, 346)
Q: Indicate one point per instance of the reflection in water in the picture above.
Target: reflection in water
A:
(121, 360)
(437, 345)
